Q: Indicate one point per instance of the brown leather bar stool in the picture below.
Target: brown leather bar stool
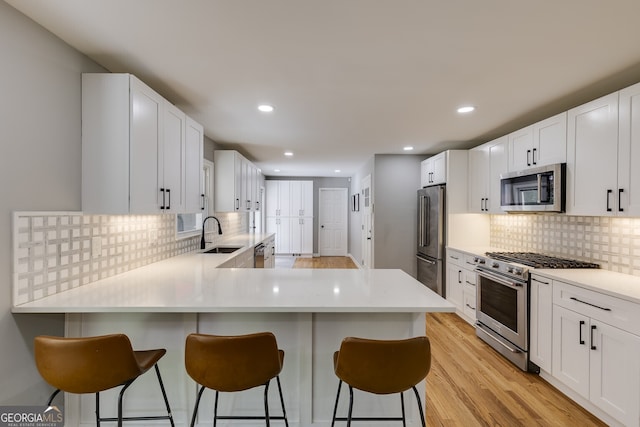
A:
(381, 367)
(234, 363)
(95, 364)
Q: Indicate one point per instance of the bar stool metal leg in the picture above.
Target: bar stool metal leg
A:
(98, 409)
(335, 407)
(284, 411)
(404, 419)
(164, 395)
(415, 391)
(195, 410)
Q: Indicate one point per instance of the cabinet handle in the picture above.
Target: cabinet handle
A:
(202, 198)
(257, 206)
(528, 161)
(469, 283)
(608, 193)
(459, 276)
(534, 156)
(169, 194)
(163, 198)
(588, 303)
(237, 204)
(248, 205)
(620, 191)
(539, 281)
(580, 332)
(472, 308)
(593, 328)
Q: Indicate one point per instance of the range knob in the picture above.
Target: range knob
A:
(518, 271)
(495, 265)
(511, 270)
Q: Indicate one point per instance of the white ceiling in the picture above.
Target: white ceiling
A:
(352, 78)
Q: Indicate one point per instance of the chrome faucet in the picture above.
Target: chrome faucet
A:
(202, 242)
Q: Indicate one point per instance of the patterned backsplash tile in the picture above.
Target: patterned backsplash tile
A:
(614, 243)
(56, 251)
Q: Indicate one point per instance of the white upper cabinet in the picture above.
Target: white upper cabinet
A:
(236, 182)
(486, 163)
(592, 157)
(628, 193)
(434, 170)
(194, 158)
(133, 148)
(171, 172)
(301, 198)
(540, 144)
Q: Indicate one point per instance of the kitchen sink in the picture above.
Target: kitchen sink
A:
(223, 250)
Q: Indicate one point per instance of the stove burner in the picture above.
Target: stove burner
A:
(535, 260)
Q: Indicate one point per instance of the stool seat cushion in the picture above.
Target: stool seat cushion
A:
(90, 364)
(383, 366)
(233, 363)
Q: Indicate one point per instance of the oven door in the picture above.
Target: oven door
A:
(502, 307)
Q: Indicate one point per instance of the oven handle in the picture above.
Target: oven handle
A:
(499, 279)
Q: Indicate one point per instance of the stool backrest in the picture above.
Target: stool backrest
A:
(85, 365)
(383, 366)
(232, 363)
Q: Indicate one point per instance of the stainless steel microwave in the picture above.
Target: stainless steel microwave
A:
(539, 189)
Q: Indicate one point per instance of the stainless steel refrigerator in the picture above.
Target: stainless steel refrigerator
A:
(430, 253)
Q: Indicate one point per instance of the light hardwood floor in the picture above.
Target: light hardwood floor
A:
(325, 262)
(472, 385)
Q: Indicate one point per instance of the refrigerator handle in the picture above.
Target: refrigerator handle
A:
(421, 220)
(426, 225)
(423, 228)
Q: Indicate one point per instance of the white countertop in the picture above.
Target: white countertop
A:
(192, 283)
(619, 285)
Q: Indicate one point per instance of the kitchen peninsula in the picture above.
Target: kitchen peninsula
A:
(309, 311)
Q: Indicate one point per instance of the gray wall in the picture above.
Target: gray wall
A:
(318, 182)
(396, 180)
(40, 169)
(355, 218)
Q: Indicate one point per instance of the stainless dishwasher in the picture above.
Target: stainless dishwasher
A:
(258, 256)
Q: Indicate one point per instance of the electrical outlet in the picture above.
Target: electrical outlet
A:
(96, 246)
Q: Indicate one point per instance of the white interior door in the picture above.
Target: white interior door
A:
(366, 203)
(332, 235)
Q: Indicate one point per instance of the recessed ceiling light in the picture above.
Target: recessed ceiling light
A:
(466, 109)
(337, 171)
(276, 170)
(265, 108)
(288, 153)
(408, 148)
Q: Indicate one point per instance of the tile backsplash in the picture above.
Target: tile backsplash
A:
(614, 243)
(56, 251)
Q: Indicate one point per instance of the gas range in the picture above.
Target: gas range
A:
(536, 260)
(502, 300)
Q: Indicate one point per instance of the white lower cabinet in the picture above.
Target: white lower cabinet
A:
(469, 294)
(540, 326)
(597, 360)
(454, 290)
(301, 235)
(280, 226)
(461, 284)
